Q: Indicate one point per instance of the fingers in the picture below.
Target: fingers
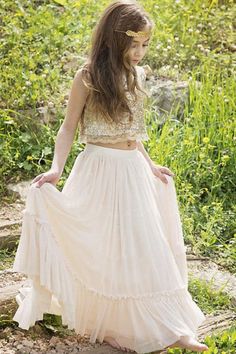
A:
(50, 177)
(36, 178)
(167, 171)
(162, 177)
(42, 180)
(39, 180)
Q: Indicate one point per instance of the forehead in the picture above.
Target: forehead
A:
(141, 39)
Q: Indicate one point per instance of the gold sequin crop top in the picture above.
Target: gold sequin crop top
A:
(98, 130)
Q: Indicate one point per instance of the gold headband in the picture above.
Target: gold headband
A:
(135, 34)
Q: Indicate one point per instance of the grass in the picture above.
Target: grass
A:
(220, 343)
(200, 150)
(6, 259)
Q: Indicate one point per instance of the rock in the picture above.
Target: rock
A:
(60, 347)
(8, 239)
(3, 335)
(148, 70)
(54, 341)
(19, 347)
(168, 96)
(74, 351)
(8, 292)
(27, 343)
(9, 277)
(47, 113)
(10, 225)
(205, 269)
(20, 189)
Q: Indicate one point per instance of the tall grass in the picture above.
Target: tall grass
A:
(201, 150)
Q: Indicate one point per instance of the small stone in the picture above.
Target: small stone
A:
(74, 351)
(19, 333)
(69, 341)
(60, 346)
(54, 341)
(19, 346)
(27, 343)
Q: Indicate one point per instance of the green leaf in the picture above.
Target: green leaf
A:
(61, 2)
(25, 137)
(47, 150)
(27, 166)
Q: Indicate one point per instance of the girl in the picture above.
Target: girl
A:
(107, 253)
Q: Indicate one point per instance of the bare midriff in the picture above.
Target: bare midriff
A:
(123, 145)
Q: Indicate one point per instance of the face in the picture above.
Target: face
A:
(138, 49)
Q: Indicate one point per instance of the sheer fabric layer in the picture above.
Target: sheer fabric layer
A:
(107, 253)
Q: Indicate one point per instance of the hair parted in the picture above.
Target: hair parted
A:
(107, 64)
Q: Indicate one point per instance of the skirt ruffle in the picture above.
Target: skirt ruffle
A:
(107, 254)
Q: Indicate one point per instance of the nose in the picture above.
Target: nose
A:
(139, 53)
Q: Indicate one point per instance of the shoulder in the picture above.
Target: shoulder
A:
(82, 77)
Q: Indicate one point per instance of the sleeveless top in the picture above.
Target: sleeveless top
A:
(96, 129)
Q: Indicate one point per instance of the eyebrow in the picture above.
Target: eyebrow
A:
(147, 40)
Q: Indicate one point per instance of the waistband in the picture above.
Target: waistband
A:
(110, 151)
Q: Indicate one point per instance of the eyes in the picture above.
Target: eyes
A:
(134, 45)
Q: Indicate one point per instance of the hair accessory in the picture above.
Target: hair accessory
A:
(135, 34)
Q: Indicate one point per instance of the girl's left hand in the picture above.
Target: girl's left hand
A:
(161, 171)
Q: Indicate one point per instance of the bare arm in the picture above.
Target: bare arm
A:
(66, 133)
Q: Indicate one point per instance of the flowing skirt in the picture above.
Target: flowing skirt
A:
(107, 254)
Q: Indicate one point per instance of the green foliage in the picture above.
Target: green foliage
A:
(26, 147)
(6, 258)
(201, 152)
(222, 343)
(186, 32)
(219, 343)
(208, 298)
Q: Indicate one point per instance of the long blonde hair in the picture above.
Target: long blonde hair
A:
(107, 63)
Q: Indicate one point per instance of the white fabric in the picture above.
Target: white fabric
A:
(107, 253)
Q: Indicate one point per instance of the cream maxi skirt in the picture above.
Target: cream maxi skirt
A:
(107, 254)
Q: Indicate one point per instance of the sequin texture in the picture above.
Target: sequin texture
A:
(96, 129)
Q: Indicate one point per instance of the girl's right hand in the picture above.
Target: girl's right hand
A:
(50, 176)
